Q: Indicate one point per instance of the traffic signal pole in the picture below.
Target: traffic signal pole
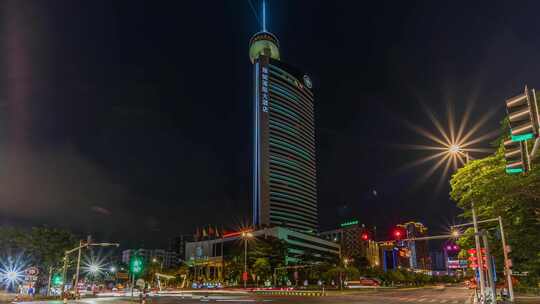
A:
(507, 265)
(489, 266)
(78, 268)
(506, 262)
(478, 252)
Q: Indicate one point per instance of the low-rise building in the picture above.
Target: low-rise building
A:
(208, 256)
(355, 240)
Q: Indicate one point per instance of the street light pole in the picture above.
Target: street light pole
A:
(491, 283)
(505, 252)
(78, 268)
(245, 236)
(478, 252)
(64, 270)
(245, 262)
(506, 262)
(477, 243)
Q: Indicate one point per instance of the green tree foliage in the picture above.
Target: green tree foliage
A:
(516, 198)
(261, 267)
(42, 247)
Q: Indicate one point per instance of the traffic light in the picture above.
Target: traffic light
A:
(398, 234)
(57, 280)
(364, 236)
(516, 156)
(136, 265)
(523, 116)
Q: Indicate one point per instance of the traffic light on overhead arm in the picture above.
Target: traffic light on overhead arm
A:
(523, 116)
(516, 156)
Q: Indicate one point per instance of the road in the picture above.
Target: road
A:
(448, 295)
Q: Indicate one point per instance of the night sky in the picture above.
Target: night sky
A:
(131, 120)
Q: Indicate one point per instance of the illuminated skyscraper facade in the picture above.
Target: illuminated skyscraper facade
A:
(284, 170)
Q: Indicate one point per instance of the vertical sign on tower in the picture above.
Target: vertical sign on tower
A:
(265, 89)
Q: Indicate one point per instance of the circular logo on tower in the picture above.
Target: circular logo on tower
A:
(307, 81)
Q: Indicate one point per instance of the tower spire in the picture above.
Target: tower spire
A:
(263, 15)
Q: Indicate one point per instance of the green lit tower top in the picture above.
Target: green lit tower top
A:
(263, 42)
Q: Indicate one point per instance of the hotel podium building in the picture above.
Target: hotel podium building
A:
(284, 172)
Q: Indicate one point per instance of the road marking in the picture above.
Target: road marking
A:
(444, 301)
(422, 300)
(233, 300)
(432, 301)
(455, 301)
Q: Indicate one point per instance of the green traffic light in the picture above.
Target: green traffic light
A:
(136, 265)
(57, 279)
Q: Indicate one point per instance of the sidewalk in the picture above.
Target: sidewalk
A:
(524, 299)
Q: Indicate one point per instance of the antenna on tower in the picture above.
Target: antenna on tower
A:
(263, 16)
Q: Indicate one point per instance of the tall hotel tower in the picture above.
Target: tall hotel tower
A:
(284, 173)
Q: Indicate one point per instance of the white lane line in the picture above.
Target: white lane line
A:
(432, 301)
(422, 300)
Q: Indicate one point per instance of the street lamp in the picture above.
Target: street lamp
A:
(113, 269)
(94, 269)
(246, 235)
(82, 244)
(454, 149)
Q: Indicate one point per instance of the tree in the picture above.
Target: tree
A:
(42, 247)
(516, 198)
(261, 267)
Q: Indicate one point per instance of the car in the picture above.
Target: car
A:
(363, 282)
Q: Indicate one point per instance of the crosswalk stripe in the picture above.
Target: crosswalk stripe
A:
(432, 300)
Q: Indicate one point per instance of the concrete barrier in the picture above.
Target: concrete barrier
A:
(299, 293)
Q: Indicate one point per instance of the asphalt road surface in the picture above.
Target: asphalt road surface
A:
(448, 295)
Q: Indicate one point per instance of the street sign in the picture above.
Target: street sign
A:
(122, 275)
(244, 276)
(32, 271)
(140, 283)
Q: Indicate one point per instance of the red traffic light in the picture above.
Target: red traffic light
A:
(364, 236)
(398, 234)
